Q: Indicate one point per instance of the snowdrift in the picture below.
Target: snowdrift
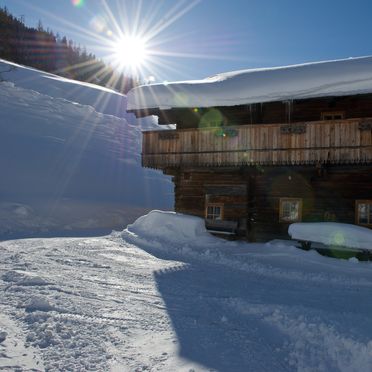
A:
(170, 227)
(332, 234)
(104, 100)
(70, 157)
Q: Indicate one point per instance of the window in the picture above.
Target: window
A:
(290, 210)
(363, 209)
(214, 212)
(333, 115)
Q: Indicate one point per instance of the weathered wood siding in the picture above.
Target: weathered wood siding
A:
(333, 142)
(328, 194)
(194, 189)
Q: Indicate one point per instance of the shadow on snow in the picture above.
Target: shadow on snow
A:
(198, 299)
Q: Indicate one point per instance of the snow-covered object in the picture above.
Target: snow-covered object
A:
(329, 78)
(172, 227)
(333, 234)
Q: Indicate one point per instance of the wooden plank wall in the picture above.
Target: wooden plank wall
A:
(194, 189)
(335, 142)
(328, 194)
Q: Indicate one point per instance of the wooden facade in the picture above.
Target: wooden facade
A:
(251, 196)
(261, 167)
(331, 142)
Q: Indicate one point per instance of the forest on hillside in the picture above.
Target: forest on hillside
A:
(43, 49)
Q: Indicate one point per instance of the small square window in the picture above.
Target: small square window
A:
(363, 211)
(214, 212)
(290, 210)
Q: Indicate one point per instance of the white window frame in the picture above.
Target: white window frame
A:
(214, 216)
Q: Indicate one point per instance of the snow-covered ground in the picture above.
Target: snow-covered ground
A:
(70, 157)
(163, 295)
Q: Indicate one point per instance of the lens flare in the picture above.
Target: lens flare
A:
(77, 3)
(211, 119)
(338, 238)
(98, 24)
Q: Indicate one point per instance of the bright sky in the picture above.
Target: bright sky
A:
(191, 39)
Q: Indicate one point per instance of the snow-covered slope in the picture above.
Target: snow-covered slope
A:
(141, 300)
(70, 157)
(330, 78)
(102, 99)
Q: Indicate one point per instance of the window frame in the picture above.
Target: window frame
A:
(214, 205)
(357, 217)
(281, 209)
(332, 113)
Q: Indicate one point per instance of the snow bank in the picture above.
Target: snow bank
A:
(171, 227)
(104, 100)
(70, 157)
(330, 78)
(333, 234)
(184, 237)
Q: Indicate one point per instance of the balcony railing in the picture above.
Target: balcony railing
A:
(335, 142)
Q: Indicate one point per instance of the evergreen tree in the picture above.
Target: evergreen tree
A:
(42, 49)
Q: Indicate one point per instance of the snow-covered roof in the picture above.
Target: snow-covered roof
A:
(320, 79)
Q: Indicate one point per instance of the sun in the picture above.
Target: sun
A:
(130, 52)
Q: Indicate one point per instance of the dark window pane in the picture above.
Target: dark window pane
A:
(290, 210)
(363, 212)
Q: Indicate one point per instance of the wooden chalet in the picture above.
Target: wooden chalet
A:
(255, 150)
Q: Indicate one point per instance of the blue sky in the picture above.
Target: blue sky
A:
(215, 36)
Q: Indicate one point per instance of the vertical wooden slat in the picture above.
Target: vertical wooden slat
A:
(325, 141)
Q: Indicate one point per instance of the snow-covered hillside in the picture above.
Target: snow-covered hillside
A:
(70, 157)
(146, 300)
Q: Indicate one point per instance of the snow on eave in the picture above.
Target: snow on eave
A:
(310, 80)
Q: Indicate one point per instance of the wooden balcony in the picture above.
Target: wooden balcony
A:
(334, 142)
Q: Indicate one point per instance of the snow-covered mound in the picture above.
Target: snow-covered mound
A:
(171, 227)
(104, 100)
(70, 157)
(332, 234)
(330, 78)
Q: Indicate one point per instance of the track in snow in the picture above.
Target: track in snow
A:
(105, 303)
